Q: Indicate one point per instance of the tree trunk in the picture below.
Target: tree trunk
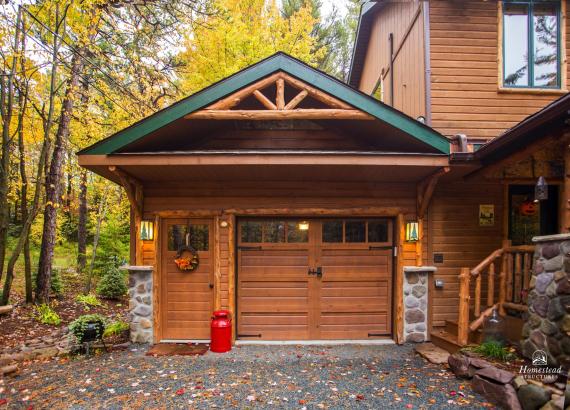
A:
(24, 195)
(54, 185)
(6, 110)
(82, 223)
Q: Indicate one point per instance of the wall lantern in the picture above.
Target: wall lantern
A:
(541, 190)
(412, 229)
(147, 230)
(303, 225)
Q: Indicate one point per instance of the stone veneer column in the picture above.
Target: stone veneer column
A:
(416, 284)
(140, 303)
(547, 325)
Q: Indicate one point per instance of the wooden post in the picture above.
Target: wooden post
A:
(217, 265)
(463, 319)
(280, 94)
(509, 276)
(156, 280)
(478, 295)
(399, 286)
(232, 273)
(503, 285)
(491, 285)
(527, 263)
(134, 190)
(518, 279)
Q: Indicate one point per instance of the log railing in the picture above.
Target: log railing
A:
(513, 264)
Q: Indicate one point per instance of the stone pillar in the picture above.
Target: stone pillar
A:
(416, 285)
(547, 326)
(140, 303)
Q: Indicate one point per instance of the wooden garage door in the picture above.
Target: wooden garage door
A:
(332, 281)
(186, 297)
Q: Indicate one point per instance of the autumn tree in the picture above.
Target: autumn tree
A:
(239, 34)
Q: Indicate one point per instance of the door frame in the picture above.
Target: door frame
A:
(396, 237)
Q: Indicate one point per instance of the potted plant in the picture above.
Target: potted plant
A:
(88, 328)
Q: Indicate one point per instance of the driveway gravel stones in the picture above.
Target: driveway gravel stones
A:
(296, 377)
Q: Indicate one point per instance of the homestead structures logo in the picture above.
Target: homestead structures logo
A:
(540, 369)
(539, 358)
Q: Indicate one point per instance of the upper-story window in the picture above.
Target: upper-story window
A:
(531, 44)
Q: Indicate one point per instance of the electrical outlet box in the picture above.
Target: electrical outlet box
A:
(439, 283)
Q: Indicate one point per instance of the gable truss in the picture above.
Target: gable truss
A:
(280, 109)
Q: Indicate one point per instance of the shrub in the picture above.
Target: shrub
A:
(113, 284)
(494, 350)
(46, 315)
(79, 326)
(116, 328)
(88, 300)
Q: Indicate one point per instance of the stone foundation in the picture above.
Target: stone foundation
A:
(416, 285)
(140, 303)
(547, 326)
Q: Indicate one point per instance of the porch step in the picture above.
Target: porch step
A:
(474, 337)
(445, 340)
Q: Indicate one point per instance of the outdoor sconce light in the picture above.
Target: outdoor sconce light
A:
(147, 230)
(303, 225)
(412, 229)
(224, 224)
(541, 190)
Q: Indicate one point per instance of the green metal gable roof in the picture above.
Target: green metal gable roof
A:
(277, 62)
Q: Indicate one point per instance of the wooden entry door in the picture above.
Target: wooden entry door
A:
(333, 281)
(186, 297)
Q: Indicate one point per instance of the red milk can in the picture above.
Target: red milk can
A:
(221, 332)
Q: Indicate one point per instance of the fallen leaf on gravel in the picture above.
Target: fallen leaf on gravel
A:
(180, 392)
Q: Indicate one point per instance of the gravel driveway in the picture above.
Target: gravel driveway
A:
(248, 377)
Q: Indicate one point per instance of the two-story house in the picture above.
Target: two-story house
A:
(314, 211)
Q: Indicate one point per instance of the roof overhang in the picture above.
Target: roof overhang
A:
(367, 12)
(280, 62)
(227, 166)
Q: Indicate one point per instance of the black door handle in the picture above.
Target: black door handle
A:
(319, 272)
(311, 272)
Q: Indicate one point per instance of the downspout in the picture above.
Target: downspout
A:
(391, 40)
(427, 60)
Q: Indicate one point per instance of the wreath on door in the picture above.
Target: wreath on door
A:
(187, 258)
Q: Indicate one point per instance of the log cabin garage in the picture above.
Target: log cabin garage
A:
(282, 195)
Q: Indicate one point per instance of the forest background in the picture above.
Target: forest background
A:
(75, 71)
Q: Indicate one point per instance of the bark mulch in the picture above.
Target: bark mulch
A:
(299, 377)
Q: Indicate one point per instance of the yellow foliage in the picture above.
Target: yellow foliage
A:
(241, 33)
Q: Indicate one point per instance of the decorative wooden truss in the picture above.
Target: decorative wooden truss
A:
(280, 109)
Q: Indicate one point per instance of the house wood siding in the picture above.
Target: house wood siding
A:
(465, 58)
(455, 233)
(405, 21)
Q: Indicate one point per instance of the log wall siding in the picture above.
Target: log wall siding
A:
(401, 19)
(455, 232)
(465, 95)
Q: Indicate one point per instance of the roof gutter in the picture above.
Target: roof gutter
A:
(427, 60)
